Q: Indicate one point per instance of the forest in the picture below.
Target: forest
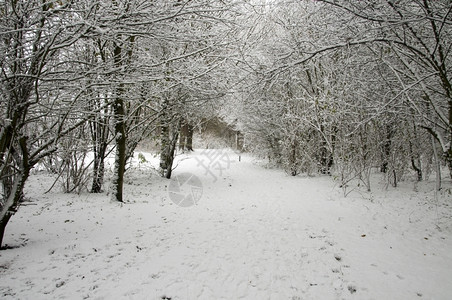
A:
(329, 87)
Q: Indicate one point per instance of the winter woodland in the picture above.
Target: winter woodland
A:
(354, 94)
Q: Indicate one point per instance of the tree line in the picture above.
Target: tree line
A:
(81, 77)
(349, 87)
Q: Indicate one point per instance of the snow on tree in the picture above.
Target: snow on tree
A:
(36, 83)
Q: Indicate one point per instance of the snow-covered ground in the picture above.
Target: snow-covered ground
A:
(255, 233)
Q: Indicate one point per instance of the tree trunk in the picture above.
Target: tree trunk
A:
(99, 135)
(164, 140)
(96, 187)
(98, 171)
(415, 158)
(415, 155)
(449, 158)
(169, 166)
(326, 159)
(189, 145)
(333, 148)
(13, 186)
(386, 150)
(394, 174)
(437, 164)
(239, 139)
(416, 168)
(11, 204)
(119, 117)
(3, 223)
(293, 158)
(121, 150)
(183, 136)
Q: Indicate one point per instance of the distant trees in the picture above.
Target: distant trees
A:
(414, 38)
(348, 87)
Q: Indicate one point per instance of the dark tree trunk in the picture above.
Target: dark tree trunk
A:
(3, 223)
(414, 155)
(120, 57)
(326, 160)
(99, 133)
(12, 201)
(13, 183)
(417, 169)
(394, 182)
(437, 164)
(239, 141)
(293, 165)
(164, 140)
(121, 149)
(386, 151)
(449, 158)
(186, 137)
(415, 158)
(96, 187)
(183, 136)
(326, 156)
(98, 172)
(170, 158)
(189, 145)
(333, 146)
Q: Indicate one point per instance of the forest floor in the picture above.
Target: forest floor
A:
(254, 233)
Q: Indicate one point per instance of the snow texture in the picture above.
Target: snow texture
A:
(256, 233)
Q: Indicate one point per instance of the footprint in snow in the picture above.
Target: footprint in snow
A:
(352, 289)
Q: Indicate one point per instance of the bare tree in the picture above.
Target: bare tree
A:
(418, 33)
(32, 82)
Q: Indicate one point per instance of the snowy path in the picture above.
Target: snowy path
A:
(255, 234)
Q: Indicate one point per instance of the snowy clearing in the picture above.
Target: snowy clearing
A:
(255, 233)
